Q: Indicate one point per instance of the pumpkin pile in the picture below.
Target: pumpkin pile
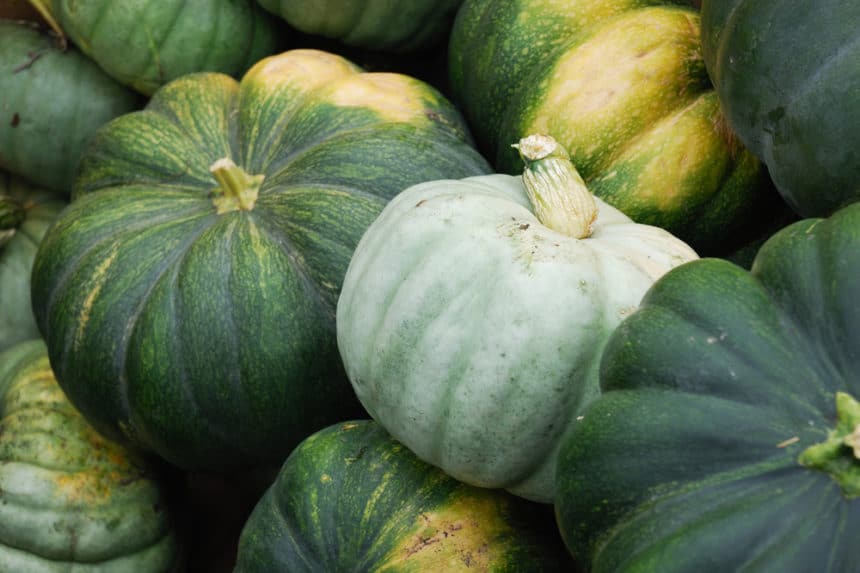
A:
(438, 285)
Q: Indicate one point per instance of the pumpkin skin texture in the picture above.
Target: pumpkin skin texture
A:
(789, 81)
(51, 103)
(351, 498)
(472, 332)
(622, 86)
(218, 319)
(717, 395)
(29, 211)
(146, 43)
(69, 499)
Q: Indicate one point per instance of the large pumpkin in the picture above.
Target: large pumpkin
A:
(474, 312)
(789, 79)
(622, 86)
(728, 434)
(351, 498)
(188, 294)
(69, 499)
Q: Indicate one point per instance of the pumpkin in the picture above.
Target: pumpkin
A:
(69, 499)
(622, 86)
(474, 312)
(789, 81)
(375, 24)
(26, 211)
(727, 434)
(145, 44)
(351, 498)
(187, 296)
(51, 102)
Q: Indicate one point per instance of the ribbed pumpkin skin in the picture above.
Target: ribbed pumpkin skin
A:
(372, 24)
(712, 390)
(69, 499)
(51, 103)
(788, 76)
(622, 86)
(146, 43)
(210, 338)
(18, 244)
(351, 498)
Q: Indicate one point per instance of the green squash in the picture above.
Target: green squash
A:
(26, 211)
(188, 302)
(473, 315)
(727, 435)
(146, 43)
(789, 81)
(69, 499)
(51, 102)
(374, 24)
(351, 498)
(622, 86)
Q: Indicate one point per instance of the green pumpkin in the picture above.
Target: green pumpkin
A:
(728, 434)
(351, 498)
(374, 24)
(622, 86)
(69, 499)
(51, 102)
(26, 211)
(789, 81)
(473, 315)
(146, 43)
(188, 302)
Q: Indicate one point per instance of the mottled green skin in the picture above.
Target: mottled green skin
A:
(664, 158)
(789, 81)
(70, 500)
(51, 103)
(37, 209)
(689, 460)
(146, 43)
(351, 498)
(374, 24)
(207, 338)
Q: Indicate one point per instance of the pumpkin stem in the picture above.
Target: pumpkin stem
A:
(237, 190)
(839, 455)
(558, 195)
(11, 215)
(43, 7)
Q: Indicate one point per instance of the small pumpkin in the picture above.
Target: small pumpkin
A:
(473, 315)
(726, 437)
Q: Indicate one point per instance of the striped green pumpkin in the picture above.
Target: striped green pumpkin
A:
(192, 312)
(351, 498)
(69, 499)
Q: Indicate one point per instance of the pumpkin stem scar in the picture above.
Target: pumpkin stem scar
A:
(832, 456)
(236, 189)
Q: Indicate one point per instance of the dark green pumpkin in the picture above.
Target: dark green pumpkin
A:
(26, 211)
(351, 498)
(788, 76)
(69, 499)
(197, 318)
(723, 439)
(51, 102)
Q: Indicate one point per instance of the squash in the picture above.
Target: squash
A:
(374, 24)
(69, 499)
(726, 435)
(145, 44)
(351, 498)
(789, 81)
(187, 296)
(622, 86)
(473, 314)
(51, 102)
(26, 211)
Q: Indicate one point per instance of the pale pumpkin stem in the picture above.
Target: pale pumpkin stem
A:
(43, 7)
(839, 455)
(237, 190)
(559, 196)
(11, 215)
